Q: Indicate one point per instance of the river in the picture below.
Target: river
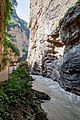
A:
(63, 105)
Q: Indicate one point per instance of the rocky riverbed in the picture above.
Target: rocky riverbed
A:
(63, 105)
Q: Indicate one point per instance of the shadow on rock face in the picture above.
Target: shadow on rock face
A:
(70, 35)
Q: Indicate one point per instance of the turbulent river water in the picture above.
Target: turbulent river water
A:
(62, 105)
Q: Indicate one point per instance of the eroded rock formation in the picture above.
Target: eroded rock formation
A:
(70, 35)
(51, 47)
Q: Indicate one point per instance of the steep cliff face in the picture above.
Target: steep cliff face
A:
(48, 49)
(1, 28)
(5, 12)
(70, 35)
(18, 32)
(45, 45)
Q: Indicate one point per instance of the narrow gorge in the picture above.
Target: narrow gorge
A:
(40, 60)
(54, 41)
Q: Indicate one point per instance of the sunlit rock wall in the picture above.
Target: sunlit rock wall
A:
(45, 47)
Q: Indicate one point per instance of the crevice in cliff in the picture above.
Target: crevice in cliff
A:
(53, 53)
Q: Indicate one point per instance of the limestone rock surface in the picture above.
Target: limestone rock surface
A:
(53, 49)
(70, 35)
(45, 45)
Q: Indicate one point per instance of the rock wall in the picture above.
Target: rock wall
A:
(70, 35)
(18, 32)
(1, 30)
(19, 39)
(45, 45)
(48, 53)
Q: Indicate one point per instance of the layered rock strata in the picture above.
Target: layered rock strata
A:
(54, 50)
(45, 45)
(70, 35)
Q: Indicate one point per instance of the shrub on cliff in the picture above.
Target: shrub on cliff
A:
(11, 91)
(17, 99)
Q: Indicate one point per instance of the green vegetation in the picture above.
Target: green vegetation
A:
(18, 100)
(5, 57)
(13, 23)
(10, 20)
(14, 48)
(12, 90)
(7, 13)
(8, 44)
(78, 3)
(16, 21)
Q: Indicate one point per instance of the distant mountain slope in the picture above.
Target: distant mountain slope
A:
(18, 32)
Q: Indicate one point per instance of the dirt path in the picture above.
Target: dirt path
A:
(4, 73)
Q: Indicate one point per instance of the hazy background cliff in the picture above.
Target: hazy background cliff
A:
(18, 32)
